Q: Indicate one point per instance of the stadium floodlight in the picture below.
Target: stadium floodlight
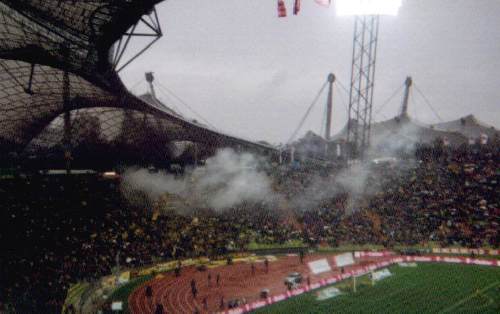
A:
(366, 25)
(368, 7)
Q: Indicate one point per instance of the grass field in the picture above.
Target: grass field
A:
(428, 288)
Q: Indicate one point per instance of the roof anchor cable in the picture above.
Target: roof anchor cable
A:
(29, 90)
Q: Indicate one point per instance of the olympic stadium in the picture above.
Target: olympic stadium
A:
(123, 201)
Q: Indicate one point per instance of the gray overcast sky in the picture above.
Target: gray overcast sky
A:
(254, 75)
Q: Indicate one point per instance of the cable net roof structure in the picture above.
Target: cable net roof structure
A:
(469, 126)
(55, 64)
(402, 131)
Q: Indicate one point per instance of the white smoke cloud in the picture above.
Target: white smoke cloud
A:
(226, 180)
(350, 181)
(391, 137)
(359, 180)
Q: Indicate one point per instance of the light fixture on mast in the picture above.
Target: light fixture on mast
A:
(368, 7)
(364, 55)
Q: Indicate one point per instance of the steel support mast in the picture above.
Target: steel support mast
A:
(406, 98)
(329, 107)
(364, 57)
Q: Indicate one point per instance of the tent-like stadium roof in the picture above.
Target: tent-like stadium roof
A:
(405, 131)
(55, 58)
(468, 126)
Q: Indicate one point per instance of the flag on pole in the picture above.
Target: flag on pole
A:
(325, 3)
(296, 7)
(281, 8)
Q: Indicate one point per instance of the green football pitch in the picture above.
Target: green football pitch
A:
(428, 288)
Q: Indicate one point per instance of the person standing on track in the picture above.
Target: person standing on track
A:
(149, 291)
(301, 256)
(177, 269)
(205, 303)
(194, 291)
(253, 269)
(209, 279)
(221, 305)
(159, 309)
(266, 264)
(217, 279)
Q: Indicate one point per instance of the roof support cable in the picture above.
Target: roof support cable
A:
(428, 103)
(308, 111)
(28, 89)
(389, 99)
(342, 87)
(170, 104)
(186, 105)
(25, 89)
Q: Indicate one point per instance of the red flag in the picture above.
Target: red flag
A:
(281, 8)
(325, 3)
(296, 7)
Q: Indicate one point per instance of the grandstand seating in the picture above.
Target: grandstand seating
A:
(59, 230)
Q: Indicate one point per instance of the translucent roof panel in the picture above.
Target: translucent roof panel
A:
(55, 63)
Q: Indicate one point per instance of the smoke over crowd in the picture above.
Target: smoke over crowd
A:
(229, 179)
(351, 181)
(226, 180)
(447, 195)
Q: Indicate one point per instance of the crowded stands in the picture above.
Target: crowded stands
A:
(58, 229)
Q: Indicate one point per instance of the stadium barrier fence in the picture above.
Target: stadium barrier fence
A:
(466, 251)
(359, 271)
(364, 254)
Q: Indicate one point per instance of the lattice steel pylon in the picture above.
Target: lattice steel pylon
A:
(364, 57)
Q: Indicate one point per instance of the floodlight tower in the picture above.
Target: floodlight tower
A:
(364, 55)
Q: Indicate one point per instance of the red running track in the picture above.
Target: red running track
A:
(237, 282)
